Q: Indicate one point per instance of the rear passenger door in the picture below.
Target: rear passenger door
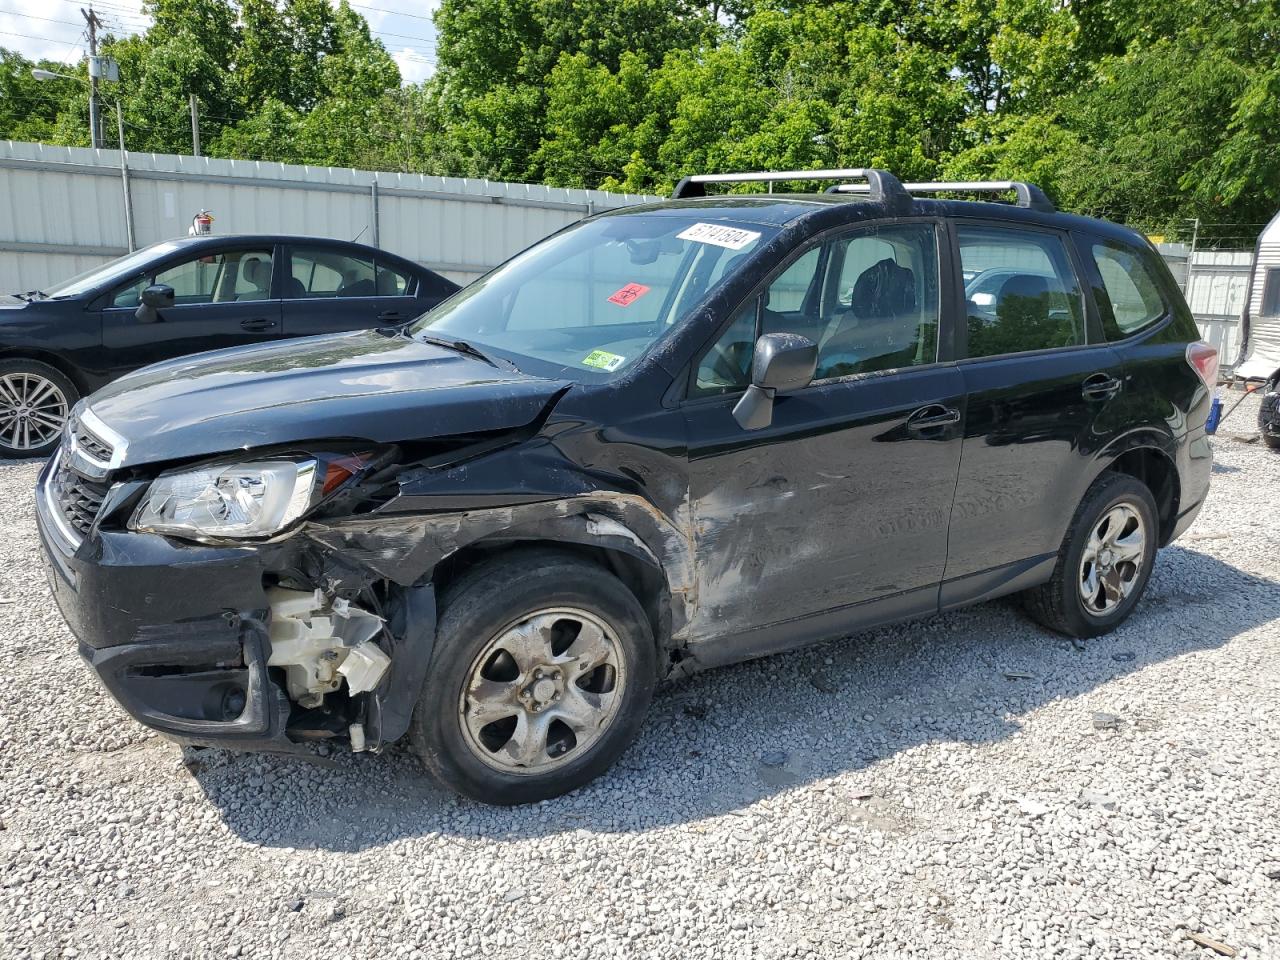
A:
(1043, 387)
(329, 289)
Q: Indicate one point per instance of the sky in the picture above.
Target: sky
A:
(54, 29)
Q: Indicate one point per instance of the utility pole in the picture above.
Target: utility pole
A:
(195, 125)
(95, 120)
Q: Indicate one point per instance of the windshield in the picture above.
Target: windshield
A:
(120, 267)
(594, 298)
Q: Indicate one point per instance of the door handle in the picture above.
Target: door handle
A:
(391, 315)
(933, 417)
(1100, 386)
(258, 323)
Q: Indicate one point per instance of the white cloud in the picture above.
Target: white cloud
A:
(54, 29)
(44, 30)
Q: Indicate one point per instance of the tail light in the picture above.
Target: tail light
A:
(1203, 358)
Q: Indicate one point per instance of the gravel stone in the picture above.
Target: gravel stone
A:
(894, 828)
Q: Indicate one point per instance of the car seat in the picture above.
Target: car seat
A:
(258, 273)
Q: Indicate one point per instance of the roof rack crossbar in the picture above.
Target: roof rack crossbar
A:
(1029, 195)
(881, 185)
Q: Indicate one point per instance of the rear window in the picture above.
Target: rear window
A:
(1131, 289)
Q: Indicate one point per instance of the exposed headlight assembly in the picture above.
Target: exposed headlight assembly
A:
(236, 500)
(239, 500)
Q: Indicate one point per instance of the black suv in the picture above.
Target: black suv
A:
(666, 438)
(183, 296)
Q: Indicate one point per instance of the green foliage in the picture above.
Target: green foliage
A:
(1139, 110)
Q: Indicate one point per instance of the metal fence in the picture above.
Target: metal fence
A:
(66, 209)
(1215, 283)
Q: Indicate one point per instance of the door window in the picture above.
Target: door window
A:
(392, 282)
(1135, 299)
(318, 273)
(214, 278)
(1022, 293)
(869, 299)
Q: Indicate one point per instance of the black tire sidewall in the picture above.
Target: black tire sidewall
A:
(1115, 491)
(470, 617)
(55, 376)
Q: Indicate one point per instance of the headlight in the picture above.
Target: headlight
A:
(233, 500)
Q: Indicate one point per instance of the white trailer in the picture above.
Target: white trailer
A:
(1260, 320)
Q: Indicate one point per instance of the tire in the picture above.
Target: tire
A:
(1272, 442)
(1061, 603)
(539, 606)
(33, 429)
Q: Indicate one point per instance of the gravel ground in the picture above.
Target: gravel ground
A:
(964, 786)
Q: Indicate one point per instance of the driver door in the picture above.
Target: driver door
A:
(222, 298)
(835, 516)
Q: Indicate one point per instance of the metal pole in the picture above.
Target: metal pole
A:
(1191, 259)
(95, 119)
(373, 200)
(195, 125)
(124, 181)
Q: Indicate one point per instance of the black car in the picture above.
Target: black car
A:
(1269, 412)
(666, 438)
(185, 296)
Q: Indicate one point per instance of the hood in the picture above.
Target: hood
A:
(352, 385)
(9, 302)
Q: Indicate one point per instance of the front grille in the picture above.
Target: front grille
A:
(92, 445)
(77, 497)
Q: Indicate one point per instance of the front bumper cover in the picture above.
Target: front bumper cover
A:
(178, 634)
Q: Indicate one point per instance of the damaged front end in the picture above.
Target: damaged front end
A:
(323, 629)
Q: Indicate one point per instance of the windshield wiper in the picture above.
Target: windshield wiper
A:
(33, 295)
(470, 349)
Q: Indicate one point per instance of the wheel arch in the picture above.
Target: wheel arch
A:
(1145, 458)
(49, 359)
(600, 540)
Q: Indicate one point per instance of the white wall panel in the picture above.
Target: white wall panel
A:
(70, 200)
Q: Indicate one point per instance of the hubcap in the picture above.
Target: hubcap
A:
(542, 691)
(1112, 559)
(33, 411)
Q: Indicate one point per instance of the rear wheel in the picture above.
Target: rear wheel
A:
(35, 401)
(1272, 442)
(543, 670)
(1104, 563)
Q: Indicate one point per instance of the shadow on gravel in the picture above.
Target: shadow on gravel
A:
(718, 742)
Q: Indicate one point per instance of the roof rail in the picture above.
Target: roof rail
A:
(1029, 195)
(881, 185)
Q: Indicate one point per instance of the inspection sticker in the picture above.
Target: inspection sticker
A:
(718, 234)
(629, 294)
(604, 360)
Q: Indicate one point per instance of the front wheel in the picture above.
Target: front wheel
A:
(35, 401)
(1104, 563)
(543, 670)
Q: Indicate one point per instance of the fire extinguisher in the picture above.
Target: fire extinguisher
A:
(201, 224)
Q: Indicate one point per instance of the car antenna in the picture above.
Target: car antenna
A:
(360, 234)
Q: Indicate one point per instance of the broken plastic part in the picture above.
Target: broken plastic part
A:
(355, 733)
(312, 641)
(364, 667)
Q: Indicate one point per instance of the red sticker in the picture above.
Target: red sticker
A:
(629, 294)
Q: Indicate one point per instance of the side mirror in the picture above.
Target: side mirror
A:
(783, 363)
(154, 298)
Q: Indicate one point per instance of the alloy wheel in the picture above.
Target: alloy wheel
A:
(33, 411)
(1112, 560)
(542, 691)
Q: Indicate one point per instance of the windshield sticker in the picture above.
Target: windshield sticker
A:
(629, 294)
(604, 359)
(721, 236)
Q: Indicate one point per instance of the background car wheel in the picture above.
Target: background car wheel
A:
(1272, 442)
(35, 400)
(1105, 560)
(542, 672)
